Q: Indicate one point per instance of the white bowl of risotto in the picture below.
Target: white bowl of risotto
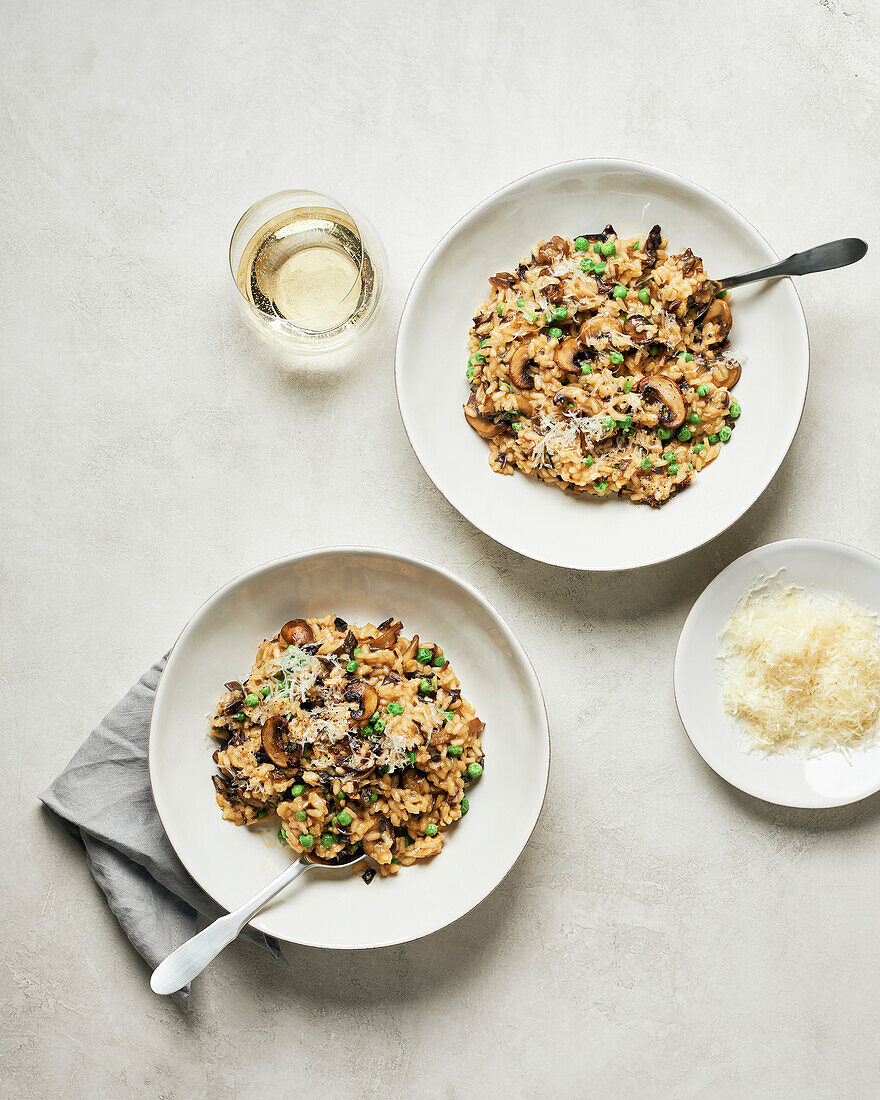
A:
(298, 712)
(777, 674)
(575, 315)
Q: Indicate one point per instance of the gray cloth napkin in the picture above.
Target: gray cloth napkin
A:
(104, 793)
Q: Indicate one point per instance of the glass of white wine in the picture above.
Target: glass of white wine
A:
(309, 273)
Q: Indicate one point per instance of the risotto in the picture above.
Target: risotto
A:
(599, 365)
(353, 737)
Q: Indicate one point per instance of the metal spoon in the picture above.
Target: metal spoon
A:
(822, 258)
(191, 958)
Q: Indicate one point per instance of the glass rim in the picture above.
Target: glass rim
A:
(303, 324)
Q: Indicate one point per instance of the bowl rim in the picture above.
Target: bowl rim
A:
(404, 558)
(576, 164)
(832, 546)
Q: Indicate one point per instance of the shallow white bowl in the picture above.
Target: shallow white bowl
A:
(769, 336)
(333, 909)
(832, 779)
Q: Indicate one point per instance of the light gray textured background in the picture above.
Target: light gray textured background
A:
(663, 934)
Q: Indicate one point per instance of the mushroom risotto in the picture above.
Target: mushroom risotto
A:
(353, 736)
(599, 366)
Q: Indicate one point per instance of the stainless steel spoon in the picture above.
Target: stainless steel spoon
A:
(822, 258)
(191, 958)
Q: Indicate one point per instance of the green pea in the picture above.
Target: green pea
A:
(555, 333)
(455, 750)
(239, 716)
(484, 341)
(698, 447)
(609, 423)
(688, 358)
(589, 460)
(282, 835)
(450, 714)
(725, 434)
(395, 860)
(301, 815)
(328, 840)
(307, 840)
(664, 433)
(693, 418)
(475, 770)
(426, 686)
(586, 368)
(616, 358)
(265, 692)
(357, 651)
(627, 423)
(560, 313)
(464, 806)
(672, 468)
(439, 661)
(684, 435)
(469, 373)
(411, 756)
(424, 655)
(636, 246)
(262, 813)
(373, 796)
(627, 385)
(378, 725)
(251, 700)
(609, 248)
(600, 268)
(500, 308)
(619, 291)
(721, 294)
(351, 666)
(646, 463)
(734, 412)
(297, 789)
(588, 265)
(394, 708)
(602, 486)
(668, 456)
(430, 830)
(654, 349)
(644, 295)
(520, 303)
(704, 390)
(713, 438)
(581, 244)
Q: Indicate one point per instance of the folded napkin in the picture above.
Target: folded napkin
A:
(104, 794)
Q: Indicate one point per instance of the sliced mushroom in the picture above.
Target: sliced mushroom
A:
(652, 244)
(274, 733)
(569, 354)
(719, 314)
(597, 326)
(221, 786)
(485, 428)
(502, 279)
(411, 650)
(660, 388)
(475, 726)
(297, 632)
(389, 631)
(726, 372)
(366, 699)
(637, 328)
(234, 685)
(518, 370)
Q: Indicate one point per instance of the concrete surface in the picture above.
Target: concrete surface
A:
(663, 935)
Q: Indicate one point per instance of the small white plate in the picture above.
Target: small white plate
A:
(332, 909)
(832, 779)
(769, 336)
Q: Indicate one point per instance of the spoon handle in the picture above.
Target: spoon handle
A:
(191, 958)
(822, 258)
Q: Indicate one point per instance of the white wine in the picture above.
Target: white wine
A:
(308, 268)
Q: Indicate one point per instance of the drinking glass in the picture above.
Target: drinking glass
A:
(309, 273)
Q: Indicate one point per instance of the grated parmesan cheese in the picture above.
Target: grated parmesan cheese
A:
(801, 673)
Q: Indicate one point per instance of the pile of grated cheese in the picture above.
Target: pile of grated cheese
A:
(801, 673)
